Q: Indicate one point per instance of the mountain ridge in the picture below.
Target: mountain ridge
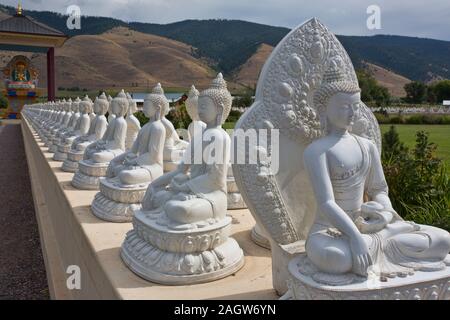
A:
(227, 45)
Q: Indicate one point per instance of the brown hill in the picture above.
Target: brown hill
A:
(392, 81)
(248, 73)
(122, 58)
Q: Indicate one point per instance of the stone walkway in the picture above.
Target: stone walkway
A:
(22, 270)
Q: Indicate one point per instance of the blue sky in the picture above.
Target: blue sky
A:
(428, 19)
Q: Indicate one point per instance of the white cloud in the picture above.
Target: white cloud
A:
(402, 17)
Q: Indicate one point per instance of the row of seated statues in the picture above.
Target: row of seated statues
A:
(149, 176)
(317, 190)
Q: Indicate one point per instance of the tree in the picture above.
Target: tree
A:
(441, 90)
(371, 91)
(392, 146)
(431, 95)
(415, 92)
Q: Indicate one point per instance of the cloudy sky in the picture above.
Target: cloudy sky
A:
(419, 18)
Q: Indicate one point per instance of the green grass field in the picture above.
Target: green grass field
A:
(439, 134)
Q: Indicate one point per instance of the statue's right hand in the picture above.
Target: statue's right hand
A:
(360, 255)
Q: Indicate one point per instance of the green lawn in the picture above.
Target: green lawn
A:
(439, 134)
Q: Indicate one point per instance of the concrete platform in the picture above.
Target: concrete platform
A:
(72, 235)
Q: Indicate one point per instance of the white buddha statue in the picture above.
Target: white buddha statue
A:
(54, 121)
(174, 147)
(52, 138)
(61, 134)
(196, 126)
(351, 233)
(111, 114)
(81, 129)
(133, 124)
(187, 208)
(91, 113)
(96, 132)
(129, 174)
(98, 154)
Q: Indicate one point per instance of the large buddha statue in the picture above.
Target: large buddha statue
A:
(331, 225)
(181, 235)
(133, 124)
(97, 155)
(355, 225)
(96, 131)
(129, 174)
(80, 129)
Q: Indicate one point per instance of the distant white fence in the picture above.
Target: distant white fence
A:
(444, 109)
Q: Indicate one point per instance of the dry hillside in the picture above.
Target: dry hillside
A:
(392, 81)
(248, 73)
(121, 58)
(125, 58)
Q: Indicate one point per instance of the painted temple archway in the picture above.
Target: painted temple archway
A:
(23, 33)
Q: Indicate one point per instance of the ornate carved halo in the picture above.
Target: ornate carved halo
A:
(292, 75)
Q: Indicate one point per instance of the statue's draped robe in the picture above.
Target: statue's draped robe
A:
(388, 255)
(208, 180)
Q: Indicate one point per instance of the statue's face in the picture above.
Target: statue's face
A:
(341, 109)
(115, 107)
(207, 110)
(103, 107)
(132, 106)
(119, 107)
(97, 106)
(191, 107)
(150, 109)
